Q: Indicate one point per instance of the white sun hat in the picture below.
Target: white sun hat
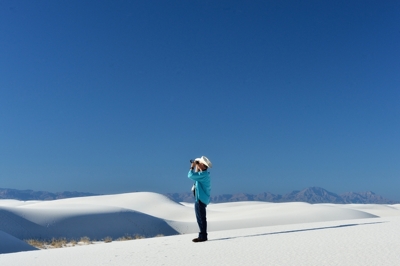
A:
(204, 160)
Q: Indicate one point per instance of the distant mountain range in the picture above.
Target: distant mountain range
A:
(310, 195)
(7, 193)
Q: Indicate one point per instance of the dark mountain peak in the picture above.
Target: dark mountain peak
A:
(313, 195)
(368, 193)
(365, 197)
(242, 197)
(267, 196)
(316, 189)
(294, 192)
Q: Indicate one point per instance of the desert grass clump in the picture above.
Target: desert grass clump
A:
(46, 244)
(139, 237)
(124, 238)
(40, 244)
(130, 237)
(63, 242)
(108, 239)
(58, 243)
(85, 240)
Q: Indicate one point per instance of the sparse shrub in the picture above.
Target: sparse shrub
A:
(85, 240)
(36, 243)
(139, 237)
(124, 238)
(107, 239)
(63, 242)
(58, 243)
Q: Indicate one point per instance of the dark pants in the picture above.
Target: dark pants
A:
(200, 209)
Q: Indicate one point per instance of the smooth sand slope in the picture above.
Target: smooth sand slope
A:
(240, 233)
(150, 214)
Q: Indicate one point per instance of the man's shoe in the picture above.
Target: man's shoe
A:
(199, 240)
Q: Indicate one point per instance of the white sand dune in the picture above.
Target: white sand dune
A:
(251, 232)
(150, 214)
(375, 209)
(10, 244)
(94, 217)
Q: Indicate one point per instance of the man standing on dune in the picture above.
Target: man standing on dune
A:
(202, 187)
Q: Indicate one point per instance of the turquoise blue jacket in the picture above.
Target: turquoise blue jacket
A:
(202, 184)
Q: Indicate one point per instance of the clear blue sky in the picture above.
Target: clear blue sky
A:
(117, 96)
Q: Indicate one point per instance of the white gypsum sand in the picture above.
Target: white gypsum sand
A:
(253, 233)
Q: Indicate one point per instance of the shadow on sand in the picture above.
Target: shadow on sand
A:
(296, 231)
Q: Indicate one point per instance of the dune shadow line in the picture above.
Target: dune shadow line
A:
(295, 231)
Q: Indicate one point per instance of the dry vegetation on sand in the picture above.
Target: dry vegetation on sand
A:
(63, 242)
